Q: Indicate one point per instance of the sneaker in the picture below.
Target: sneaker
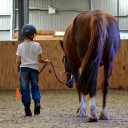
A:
(28, 111)
(37, 107)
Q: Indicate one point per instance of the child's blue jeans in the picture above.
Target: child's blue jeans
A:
(28, 75)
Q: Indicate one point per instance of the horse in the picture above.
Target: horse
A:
(91, 40)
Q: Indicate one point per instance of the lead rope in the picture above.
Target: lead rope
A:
(55, 74)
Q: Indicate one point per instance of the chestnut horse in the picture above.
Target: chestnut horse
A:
(90, 41)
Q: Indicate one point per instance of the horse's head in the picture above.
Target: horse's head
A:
(68, 72)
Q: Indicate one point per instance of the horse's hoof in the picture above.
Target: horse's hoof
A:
(81, 113)
(103, 116)
(92, 120)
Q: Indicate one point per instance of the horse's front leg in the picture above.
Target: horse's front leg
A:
(76, 75)
(81, 112)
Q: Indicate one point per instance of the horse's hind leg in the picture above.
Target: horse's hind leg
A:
(81, 112)
(92, 107)
(108, 65)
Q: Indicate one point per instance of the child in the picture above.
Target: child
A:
(28, 57)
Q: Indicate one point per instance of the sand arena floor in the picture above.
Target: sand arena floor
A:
(59, 111)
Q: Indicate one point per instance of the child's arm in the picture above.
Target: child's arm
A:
(40, 60)
(18, 61)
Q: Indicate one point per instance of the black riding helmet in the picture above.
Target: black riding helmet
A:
(27, 30)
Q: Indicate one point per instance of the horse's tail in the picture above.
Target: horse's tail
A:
(92, 59)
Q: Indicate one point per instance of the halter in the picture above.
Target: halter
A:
(67, 65)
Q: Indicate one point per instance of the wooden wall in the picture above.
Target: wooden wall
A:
(9, 77)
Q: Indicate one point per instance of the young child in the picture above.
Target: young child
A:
(28, 57)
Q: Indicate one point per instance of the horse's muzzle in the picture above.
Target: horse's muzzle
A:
(70, 85)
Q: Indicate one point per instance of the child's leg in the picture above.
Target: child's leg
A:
(35, 90)
(34, 84)
(25, 91)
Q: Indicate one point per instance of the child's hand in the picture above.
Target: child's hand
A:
(18, 68)
(46, 61)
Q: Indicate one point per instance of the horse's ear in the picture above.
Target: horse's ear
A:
(61, 44)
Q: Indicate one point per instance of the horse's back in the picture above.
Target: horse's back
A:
(81, 24)
(78, 33)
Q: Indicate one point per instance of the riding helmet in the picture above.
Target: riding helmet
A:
(28, 29)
